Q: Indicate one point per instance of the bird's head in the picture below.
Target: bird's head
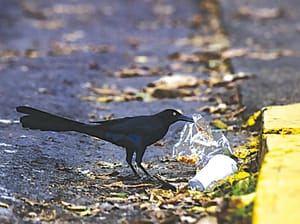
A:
(171, 116)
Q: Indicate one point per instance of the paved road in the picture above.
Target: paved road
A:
(50, 54)
(277, 30)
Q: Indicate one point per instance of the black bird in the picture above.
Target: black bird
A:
(132, 133)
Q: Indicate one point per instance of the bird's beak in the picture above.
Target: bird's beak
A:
(186, 118)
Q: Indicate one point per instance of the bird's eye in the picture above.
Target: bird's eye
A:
(174, 113)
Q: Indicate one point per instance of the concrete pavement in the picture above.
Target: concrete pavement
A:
(278, 185)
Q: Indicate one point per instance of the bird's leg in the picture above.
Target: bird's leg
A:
(138, 159)
(129, 154)
(143, 168)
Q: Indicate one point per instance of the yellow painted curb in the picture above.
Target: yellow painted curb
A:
(282, 119)
(278, 188)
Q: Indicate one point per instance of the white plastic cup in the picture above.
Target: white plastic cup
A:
(217, 168)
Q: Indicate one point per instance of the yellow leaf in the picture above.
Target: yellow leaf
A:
(160, 194)
(4, 205)
(73, 207)
(104, 99)
(86, 212)
(253, 150)
(115, 184)
(141, 59)
(196, 195)
(237, 176)
(76, 207)
(49, 24)
(241, 153)
(119, 194)
(219, 124)
(211, 209)
(197, 209)
(252, 119)
(253, 142)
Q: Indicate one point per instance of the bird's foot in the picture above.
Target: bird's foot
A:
(164, 184)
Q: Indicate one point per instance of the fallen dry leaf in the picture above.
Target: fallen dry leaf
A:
(108, 165)
(234, 52)
(120, 184)
(241, 153)
(187, 219)
(104, 176)
(219, 124)
(73, 207)
(134, 41)
(70, 9)
(33, 202)
(251, 121)
(177, 198)
(74, 36)
(220, 108)
(197, 209)
(7, 55)
(272, 55)
(261, 55)
(208, 220)
(105, 90)
(212, 209)
(137, 71)
(86, 212)
(61, 48)
(176, 81)
(31, 10)
(173, 86)
(189, 160)
(236, 76)
(209, 41)
(260, 13)
(119, 194)
(4, 205)
(183, 57)
(48, 24)
(196, 20)
(159, 195)
(161, 92)
(197, 57)
(236, 112)
(237, 176)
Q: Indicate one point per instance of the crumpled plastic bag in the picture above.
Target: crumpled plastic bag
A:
(198, 143)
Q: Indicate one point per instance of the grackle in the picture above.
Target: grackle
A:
(132, 133)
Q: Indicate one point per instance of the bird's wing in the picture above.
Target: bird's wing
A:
(131, 125)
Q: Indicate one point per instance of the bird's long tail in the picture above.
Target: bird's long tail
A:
(37, 119)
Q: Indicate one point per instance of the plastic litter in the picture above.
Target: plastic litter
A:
(198, 143)
(207, 148)
(217, 168)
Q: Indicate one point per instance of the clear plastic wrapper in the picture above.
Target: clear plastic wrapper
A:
(206, 148)
(199, 143)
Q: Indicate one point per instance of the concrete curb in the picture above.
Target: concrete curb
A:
(277, 198)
